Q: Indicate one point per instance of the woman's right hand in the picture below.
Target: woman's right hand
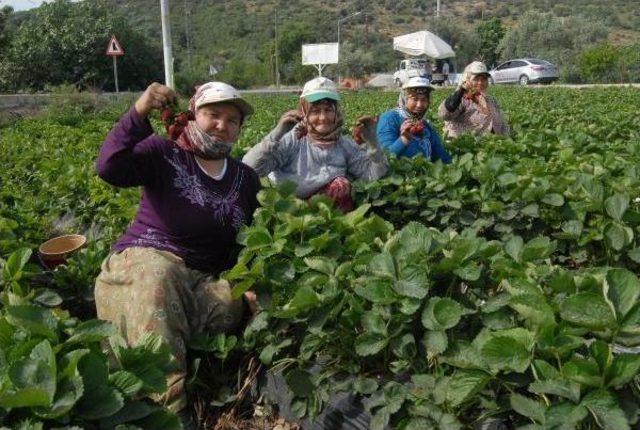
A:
(287, 121)
(405, 131)
(156, 96)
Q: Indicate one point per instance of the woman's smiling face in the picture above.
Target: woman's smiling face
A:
(322, 116)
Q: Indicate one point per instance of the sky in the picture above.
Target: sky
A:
(19, 5)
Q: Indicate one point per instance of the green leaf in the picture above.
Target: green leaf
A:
(383, 265)
(303, 300)
(585, 372)
(617, 205)
(12, 270)
(553, 199)
(506, 353)
(321, 264)
(533, 308)
(464, 385)
(537, 249)
(413, 238)
(377, 291)
(623, 369)
(614, 235)
(469, 272)
(565, 415)
(601, 352)
(435, 342)
(68, 393)
(528, 407)
(36, 320)
(99, 400)
(365, 385)
(91, 331)
(132, 411)
(441, 314)
(606, 410)
(413, 282)
(33, 379)
(513, 247)
(573, 228)
(557, 387)
(588, 310)
(300, 383)
(623, 290)
(404, 346)
(47, 298)
(128, 383)
(374, 323)
(370, 344)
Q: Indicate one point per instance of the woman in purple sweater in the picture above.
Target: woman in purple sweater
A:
(162, 274)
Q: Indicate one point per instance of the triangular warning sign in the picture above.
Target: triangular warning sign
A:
(114, 47)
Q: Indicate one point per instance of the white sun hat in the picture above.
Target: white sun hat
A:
(318, 89)
(218, 92)
(417, 82)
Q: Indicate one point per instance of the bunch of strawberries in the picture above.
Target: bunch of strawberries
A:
(175, 123)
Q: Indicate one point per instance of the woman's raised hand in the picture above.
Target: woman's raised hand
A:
(156, 96)
(287, 121)
(365, 130)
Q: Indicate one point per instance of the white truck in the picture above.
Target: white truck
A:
(408, 69)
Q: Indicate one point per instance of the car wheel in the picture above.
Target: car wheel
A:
(398, 83)
(491, 81)
(524, 80)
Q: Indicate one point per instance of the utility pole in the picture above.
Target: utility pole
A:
(275, 23)
(437, 8)
(166, 43)
(187, 32)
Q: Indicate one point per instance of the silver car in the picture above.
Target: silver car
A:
(524, 71)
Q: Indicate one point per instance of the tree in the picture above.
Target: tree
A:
(4, 36)
(490, 34)
(545, 36)
(64, 42)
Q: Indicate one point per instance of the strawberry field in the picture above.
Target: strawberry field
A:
(503, 286)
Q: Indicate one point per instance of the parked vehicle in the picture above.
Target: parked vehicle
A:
(408, 69)
(524, 71)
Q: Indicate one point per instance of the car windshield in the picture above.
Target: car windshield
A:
(417, 64)
(540, 62)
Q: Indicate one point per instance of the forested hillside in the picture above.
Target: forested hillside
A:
(590, 40)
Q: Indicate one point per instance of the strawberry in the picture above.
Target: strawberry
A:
(417, 129)
(182, 118)
(357, 134)
(174, 131)
(167, 115)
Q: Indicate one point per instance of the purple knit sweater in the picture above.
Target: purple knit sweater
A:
(183, 210)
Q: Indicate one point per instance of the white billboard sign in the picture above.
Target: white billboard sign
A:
(319, 53)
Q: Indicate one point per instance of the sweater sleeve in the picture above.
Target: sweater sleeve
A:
(126, 156)
(368, 164)
(439, 152)
(271, 154)
(389, 134)
(445, 114)
(453, 101)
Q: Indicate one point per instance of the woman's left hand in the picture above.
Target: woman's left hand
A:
(365, 130)
(251, 300)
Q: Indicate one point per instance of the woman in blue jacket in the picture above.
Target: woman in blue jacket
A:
(404, 132)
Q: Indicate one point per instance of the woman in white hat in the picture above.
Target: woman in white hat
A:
(308, 148)
(470, 109)
(162, 274)
(405, 132)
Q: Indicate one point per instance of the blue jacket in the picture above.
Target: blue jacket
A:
(429, 145)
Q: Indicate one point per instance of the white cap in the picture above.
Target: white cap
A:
(318, 89)
(218, 92)
(476, 68)
(417, 82)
